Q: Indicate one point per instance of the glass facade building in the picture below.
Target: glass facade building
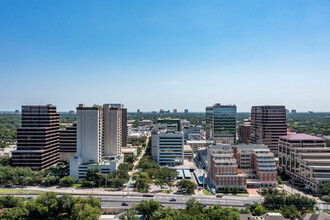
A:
(221, 123)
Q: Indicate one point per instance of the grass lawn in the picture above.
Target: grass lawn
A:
(76, 185)
(20, 191)
(165, 191)
(206, 192)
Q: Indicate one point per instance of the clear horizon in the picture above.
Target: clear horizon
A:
(152, 55)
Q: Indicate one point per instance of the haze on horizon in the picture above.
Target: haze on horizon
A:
(153, 55)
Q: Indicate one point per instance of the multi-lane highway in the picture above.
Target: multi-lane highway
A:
(117, 200)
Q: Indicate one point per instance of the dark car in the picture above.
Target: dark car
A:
(173, 200)
(246, 204)
(124, 204)
(7, 186)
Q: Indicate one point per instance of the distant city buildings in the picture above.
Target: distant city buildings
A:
(16, 111)
(99, 139)
(306, 159)
(293, 111)
(170, 148)
(71, 112)
(244, 131)
(38, 140)
(268, 123)
(162, 111)
(186, 111)
(221, 123)
(68, 142)
(175, 111)
(138, 111)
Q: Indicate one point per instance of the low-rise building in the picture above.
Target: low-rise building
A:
(7, 152)
(192, 132)
(129, 151)
(306, 159)
(188, 153)
(146, 123)
(171, 124)
(240, 165)
(198, 144)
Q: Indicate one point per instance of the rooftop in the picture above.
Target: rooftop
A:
(301, 136)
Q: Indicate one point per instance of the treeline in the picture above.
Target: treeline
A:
(50, 206)
(152, 210)
(25, 176)
(316, 123)
(289, 205)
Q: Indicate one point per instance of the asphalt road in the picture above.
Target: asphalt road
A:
(116, 201)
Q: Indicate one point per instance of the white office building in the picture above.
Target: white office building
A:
(170, 150)
(99, 139)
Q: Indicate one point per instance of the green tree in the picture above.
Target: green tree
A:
(147, 208)
(130, 158)
(289, 212)
(171, 184)
(259, 210)
(164, 213)
(67, 181)
(166, 174)
(142, 181)
(325, 188)
(129, 214)
(235, 189)
(216, 213)
(139, 151)
(193, 207)
(15, 213)
(160, 183)
(186, 186)
(226, 189)
(94, 175)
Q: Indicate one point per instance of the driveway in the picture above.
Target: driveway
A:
(252, 191)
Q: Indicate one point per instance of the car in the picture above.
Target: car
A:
(180, 207)
(173, 200)
(28, 198)
(7, 186)
(246, 204)
(163, 205)
(124, 204)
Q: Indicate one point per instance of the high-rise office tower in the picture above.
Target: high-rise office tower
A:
(101, 134)
(38, 140)
(170, 150)
(186, 111)
(221, 123)
(175, 111)
(268, 123)
(68, 142)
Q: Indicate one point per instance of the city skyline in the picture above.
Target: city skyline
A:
(140, 54)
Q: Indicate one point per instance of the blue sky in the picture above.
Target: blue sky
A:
(165, 54)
